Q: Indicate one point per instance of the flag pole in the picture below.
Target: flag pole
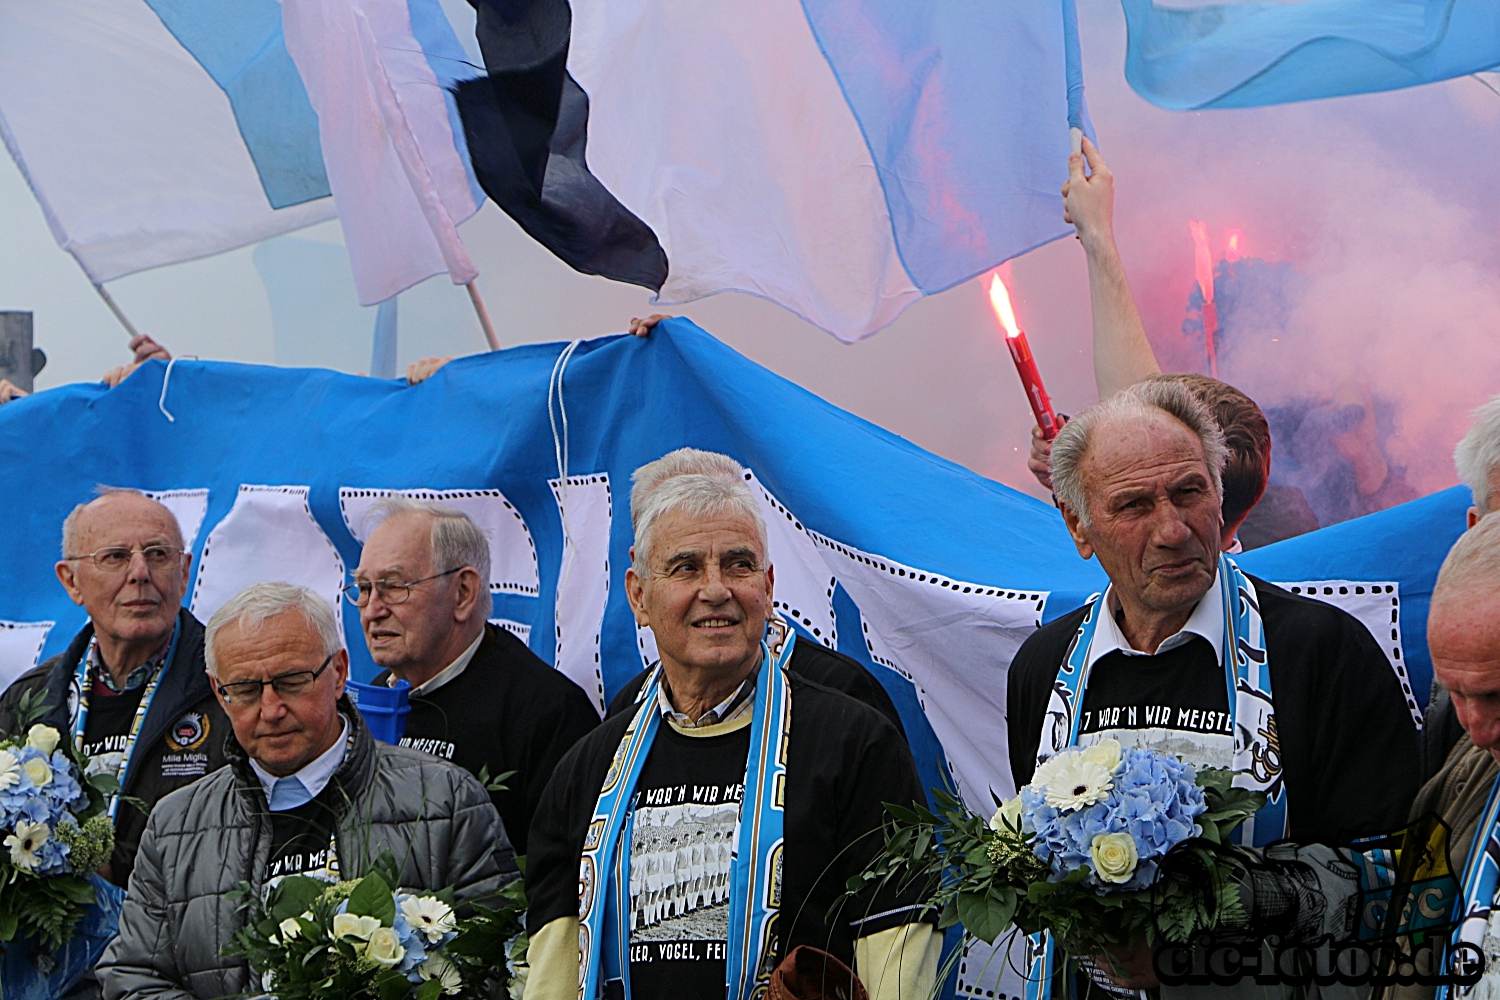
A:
(110, 301)
(483, 314)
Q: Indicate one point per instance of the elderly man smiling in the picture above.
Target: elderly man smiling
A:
(1187, 654)
(308, 792)
(682, 848)
(130, 687)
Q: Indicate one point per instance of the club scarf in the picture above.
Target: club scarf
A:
(1481, 879)
(1257, 751)
(755, 878)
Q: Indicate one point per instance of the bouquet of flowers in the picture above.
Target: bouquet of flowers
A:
(1105, 848)
(56, 831)
(363, 939)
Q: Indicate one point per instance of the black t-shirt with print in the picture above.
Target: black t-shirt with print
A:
(1348, 748)
(300, 838)
(681, 848)
(107, 728)
(1181, 692)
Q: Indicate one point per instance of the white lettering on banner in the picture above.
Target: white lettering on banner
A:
(269, 534)
(954, 641)
(20, 648)
(583, 580)
(187, 506)
(1377, 605)
(804, 586)
(513, 560)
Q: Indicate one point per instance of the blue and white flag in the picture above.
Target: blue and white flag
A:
(158, 131)
(843, 158)
(1257, 52)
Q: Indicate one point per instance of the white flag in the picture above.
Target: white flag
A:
(399, 177)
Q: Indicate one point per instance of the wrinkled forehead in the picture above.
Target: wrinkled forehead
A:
(401, 544)
(126, 519)
(712, 535)
(1463, 628)
(1140, 450)
(281, 644)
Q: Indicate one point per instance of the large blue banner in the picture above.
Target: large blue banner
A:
(929, 574)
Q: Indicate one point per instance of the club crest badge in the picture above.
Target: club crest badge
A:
(188, 733)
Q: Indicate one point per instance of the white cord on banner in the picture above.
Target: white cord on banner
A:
(560, 451)
(161, 403)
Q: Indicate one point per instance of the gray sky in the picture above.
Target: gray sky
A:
(940, 375)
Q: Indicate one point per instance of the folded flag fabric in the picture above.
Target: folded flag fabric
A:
(376, 72)
(1240, 55)
(158, 132)
(842, 158)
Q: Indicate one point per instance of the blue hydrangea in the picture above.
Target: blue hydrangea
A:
(1153, 798)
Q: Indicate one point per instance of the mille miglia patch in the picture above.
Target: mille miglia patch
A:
(185, 737)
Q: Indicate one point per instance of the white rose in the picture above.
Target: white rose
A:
(1105, 753)
(1114, 856)
(348, 925)
(1007, 817)
(385, 947)
(289, 928)
(38, 770)
(44, 738)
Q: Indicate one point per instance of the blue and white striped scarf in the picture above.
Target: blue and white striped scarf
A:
(755, 878)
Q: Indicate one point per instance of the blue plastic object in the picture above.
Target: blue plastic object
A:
(384, 709)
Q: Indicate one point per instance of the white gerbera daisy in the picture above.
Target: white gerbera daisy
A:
(25, 842)
(1078, 783)
(431, 916)
(10, 770)
(444, 971)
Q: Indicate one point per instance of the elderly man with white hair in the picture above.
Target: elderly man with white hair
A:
(1185, 653)
(307, 791)
(479, 696)
(726, 737)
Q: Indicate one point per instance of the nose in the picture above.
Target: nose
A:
(138, 572)
(714, 590)
(272, 707)
(1483, 727)
(1171, 529)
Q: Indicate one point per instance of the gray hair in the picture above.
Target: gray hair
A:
(1139, 400)
(260, 602)
(456, 540)
(1472, 568)
(1478, 454)
(70, 523)
(698, 483)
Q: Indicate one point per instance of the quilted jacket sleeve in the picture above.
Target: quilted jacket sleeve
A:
(139, 963)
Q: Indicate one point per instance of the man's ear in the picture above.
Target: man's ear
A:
(1473, 520)
(1077, 530)
(469, 586)
(635, 592)
(770, 584)
(69, 579)
(341, 672)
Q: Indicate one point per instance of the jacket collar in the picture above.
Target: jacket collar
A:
(183, 684)
(353, 776)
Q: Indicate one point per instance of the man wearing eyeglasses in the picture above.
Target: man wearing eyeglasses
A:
(480, 698)
(130, 687)
(307, 791)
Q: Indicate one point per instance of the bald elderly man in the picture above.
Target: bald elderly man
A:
(131, 686)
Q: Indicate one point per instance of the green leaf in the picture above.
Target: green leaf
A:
(394, 986)
(429, 990)
(295, 896)
(372, 898)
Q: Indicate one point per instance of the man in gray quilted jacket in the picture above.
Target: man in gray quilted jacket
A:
(307, 791)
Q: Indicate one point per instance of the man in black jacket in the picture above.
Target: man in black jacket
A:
(480, 698)
(130, 688)
(722, 817)
(1316, 717)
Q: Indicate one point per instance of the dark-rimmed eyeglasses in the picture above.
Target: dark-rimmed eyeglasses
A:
(287, 685)
(115, 558)
(390, 591)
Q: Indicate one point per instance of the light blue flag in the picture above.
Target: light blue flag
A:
(1240, 55)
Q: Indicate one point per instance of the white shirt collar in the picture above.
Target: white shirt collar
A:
(445, 675)
(1207, 621)
(314, 776)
